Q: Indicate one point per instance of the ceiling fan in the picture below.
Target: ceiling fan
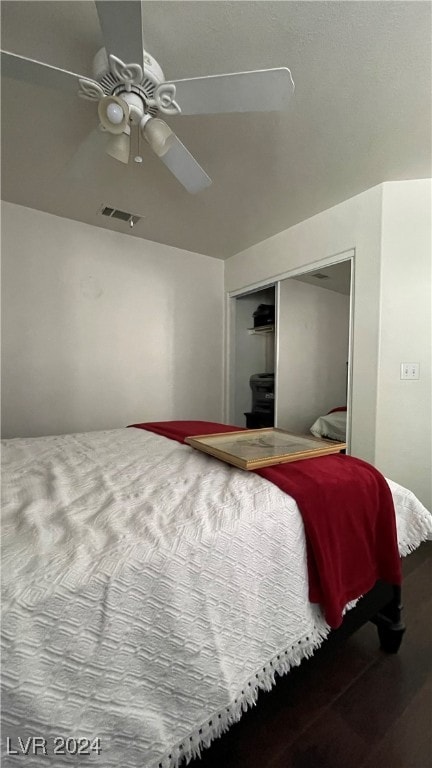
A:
(131, 91)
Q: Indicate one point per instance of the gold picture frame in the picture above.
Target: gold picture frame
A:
(255, 448)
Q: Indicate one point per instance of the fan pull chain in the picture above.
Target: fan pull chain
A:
(138, 157)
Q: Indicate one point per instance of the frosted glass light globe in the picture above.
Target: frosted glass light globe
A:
(114, 113)
(159, 135)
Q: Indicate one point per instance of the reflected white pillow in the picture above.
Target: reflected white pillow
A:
(333, 426)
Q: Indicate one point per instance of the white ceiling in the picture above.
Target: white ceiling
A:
(334, 278)
(361, 114)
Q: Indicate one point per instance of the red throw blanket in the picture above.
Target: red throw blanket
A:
(348, 515)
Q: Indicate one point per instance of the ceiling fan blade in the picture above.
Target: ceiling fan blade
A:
(121, 24)
(31, 71)
(91, 149)
(184, 167)
(263, 90)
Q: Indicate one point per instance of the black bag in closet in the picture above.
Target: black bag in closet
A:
(264, 315)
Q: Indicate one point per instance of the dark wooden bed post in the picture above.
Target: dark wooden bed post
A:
(389, 623)
(383, 607)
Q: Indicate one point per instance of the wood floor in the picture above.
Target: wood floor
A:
(350, 706)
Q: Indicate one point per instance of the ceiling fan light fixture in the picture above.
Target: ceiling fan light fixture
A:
(158, 134)
(118, 146)
(113, 114)
(135, 106)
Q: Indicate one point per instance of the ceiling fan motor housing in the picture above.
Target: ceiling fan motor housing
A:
(152, 71)
(113, 85)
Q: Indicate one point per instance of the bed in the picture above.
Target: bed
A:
(149, 592)
(332, 425)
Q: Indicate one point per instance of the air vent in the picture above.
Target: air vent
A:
(114, 213)
(122, 215)
(320, 276)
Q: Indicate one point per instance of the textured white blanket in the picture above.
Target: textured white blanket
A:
(149, 591)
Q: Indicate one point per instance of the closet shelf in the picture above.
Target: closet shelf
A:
(261, 329)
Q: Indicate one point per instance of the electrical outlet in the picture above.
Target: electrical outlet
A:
(410, 371)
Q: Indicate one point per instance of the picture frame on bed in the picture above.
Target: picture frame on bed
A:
(255, 448)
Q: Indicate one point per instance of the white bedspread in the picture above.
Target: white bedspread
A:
(148, 613)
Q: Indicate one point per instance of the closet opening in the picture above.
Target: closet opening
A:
(254, 363)
(290, 353)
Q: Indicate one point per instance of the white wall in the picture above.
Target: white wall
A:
(404, 418)
(313, 333)
(101, 330)
(381, 337)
